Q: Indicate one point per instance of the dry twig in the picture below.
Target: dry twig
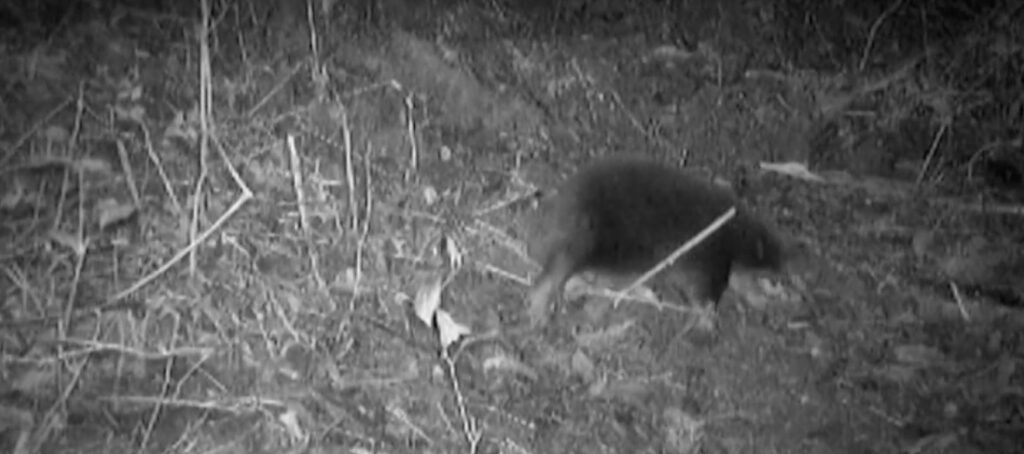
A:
(686, 247)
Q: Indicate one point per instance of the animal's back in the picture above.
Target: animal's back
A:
(626, 214)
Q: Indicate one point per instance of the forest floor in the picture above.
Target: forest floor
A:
(216, 236)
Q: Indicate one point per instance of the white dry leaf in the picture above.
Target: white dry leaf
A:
(401, 299)
(897, 373)
(350, 277)
(182, 127)
(327, 6)
(445, 153)
(793, 169)
(346, 280)
(919, 355)
(428, 300)
(259, 172)
(293, 301)
(504, 362)
(644, 293)
(68, 240)
(669, 52)
(933, 443)
(13, 194)
(454, 253)
(58, 134)
(134, 112)
(582, 365)
(430, 195)
(290, 421)
(448, 330)
(130, 93)
(683, 431)
(598, 387)
(92, 165)
(111, 212)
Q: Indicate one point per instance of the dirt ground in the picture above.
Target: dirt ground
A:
(264, 227)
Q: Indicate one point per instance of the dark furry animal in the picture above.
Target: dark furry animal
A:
(623, 215)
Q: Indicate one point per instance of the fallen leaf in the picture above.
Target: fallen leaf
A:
(430, 195)
(290, 420)
(582, 365)
(792, 169)
(918, 355)
(69, 241)
(453, 252)
(448, 330)
(92, 165)
(112, 212)
(504, 362)
(897, 373)
(13, 194)
(683, 431)
(133, 112)
(428, 300)
(57, 134)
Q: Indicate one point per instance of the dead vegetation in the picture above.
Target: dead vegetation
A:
(223, 225)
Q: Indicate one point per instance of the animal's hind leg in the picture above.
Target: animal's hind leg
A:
(702, 287)
(548, 286)
(668, 324)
